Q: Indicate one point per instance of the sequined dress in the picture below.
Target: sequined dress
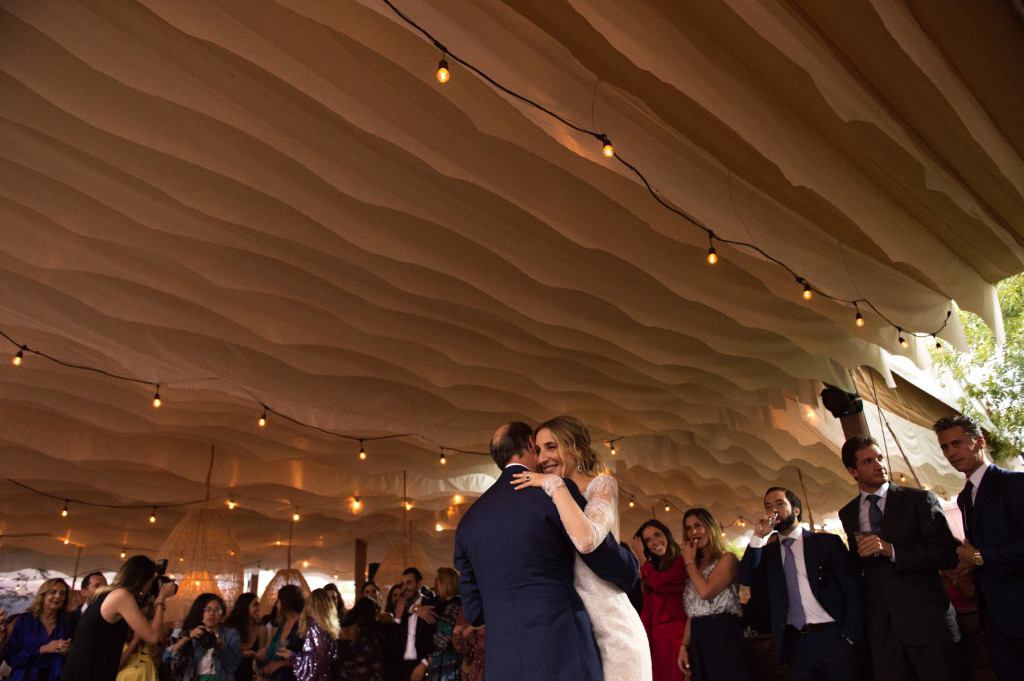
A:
(718, 650)
(318, 658)
(620, 636)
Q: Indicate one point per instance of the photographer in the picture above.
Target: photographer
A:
(96, 647)
(206, 650)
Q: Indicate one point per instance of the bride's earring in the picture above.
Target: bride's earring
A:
(579, 468)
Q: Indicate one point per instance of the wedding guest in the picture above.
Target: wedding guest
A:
(206, 650)
(361, 644)
(136, 658)
(339, 604)
(319, 655)
(664, 618)
(469, 641)
(40, 638)
(90, 584)
(245, 619)
(713, 646)
(96, 649)
(290, 603)
(445, 660)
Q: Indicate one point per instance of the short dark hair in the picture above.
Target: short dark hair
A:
(417, 575)
(511, 442)
(854, 445)
(291, 598)
(793, 499)
(85, 580)
(969, 425)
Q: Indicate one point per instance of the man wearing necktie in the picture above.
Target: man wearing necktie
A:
(992, 504)
(899, 538)
(813, 589)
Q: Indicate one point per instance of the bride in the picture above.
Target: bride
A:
(563, 448)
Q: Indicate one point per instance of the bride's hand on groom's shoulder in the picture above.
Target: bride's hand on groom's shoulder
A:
(529, 479)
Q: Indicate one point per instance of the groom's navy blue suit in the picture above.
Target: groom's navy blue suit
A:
(516, 564)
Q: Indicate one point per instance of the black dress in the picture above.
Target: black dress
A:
(96, 648)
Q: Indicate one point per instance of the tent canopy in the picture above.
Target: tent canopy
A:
(259, 204)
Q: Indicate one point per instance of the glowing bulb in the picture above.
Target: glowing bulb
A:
(64, 511)
(356, 503)
(667, 507)
(156, 398)
(938, 345)
(263, 419)
(443, 74)
(859, 319)
(903, 342)
(443, 460)
(122, 555)
(632, 503)
(336, 575)
(903, 478)
(362, 452)
(152, 516)
(408, 506)
(439, 528)
(305, 563)
(723, 534)
(295, 517)
(608, 150)
(231, 505)
(807, 292)
(613, 450)
(17, 359)
(67, 541)
(712, 256)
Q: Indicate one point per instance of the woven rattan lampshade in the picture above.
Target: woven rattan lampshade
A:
(280, 578)
(204, 558)
(398, 558)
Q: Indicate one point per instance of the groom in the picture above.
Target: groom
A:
(516, 564)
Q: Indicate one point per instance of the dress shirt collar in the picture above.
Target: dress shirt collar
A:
(976, 477)
(882, 492)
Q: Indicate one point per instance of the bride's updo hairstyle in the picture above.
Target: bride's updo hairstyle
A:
(572, 436)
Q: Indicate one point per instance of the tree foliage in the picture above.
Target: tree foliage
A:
(992, 375)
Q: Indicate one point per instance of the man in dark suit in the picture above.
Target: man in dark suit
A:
(411, 636)
(992, 504)
(814, 591)
(91, 582)
(516, 564)
(899, 538)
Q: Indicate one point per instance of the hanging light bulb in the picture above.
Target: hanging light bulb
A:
(67, 541)
(295, 516)
(442, 459)
(608, 150)
(902, 341)
(122, 555)
(903, 478)
(17, 358)
(632, 502)
(439, 527)
(443, 74)
(938, 344)
(156, 397)
(712, 256)
(457, 499)
(152, 516)
(408, 505)
(859, 319)
(263, 419)
(362, 452)
(356, 503)
(64, 511)
(807, 291)
(231, 505)
(667, 507)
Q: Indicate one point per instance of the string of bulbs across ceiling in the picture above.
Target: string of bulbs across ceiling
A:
(808, 291)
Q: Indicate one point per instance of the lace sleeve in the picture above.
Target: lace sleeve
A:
(601, 511)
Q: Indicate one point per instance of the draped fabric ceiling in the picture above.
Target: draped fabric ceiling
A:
(253, 202)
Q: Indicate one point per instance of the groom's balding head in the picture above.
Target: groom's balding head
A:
(512, 442)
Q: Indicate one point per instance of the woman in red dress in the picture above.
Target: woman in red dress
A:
(664, 576)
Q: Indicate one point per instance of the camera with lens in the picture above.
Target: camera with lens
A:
(207, 639)
(161, 579)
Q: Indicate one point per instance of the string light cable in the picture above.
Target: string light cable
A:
(807, 288)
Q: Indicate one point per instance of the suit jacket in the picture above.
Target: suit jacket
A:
(831, 575)
(424, 632)
(516, 563)
(909, 592)
(997, 530)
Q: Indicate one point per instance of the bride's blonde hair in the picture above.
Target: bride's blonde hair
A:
(572, 436)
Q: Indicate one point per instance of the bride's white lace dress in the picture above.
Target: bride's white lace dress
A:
(620, 636)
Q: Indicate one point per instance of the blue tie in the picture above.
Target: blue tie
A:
(874, 514)
(796, 606)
